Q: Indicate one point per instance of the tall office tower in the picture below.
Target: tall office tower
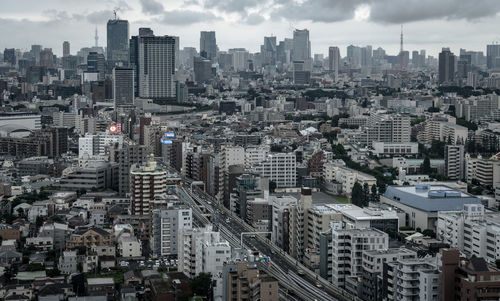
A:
(96, 63)
(208, 45)
(9, 56)
(268, 51)
(59, 141)
(492, 56)
(415, 58)
(146, 183)
(240, 58)
(66, 49)
(154, 64)
(354, 56)
(301, 45)
(366, 56)
(463, 68)
(202, 69)
(334, 60)
(35, 52)
(117, 38)
(123, 86)
(454, 162)
(300, 75)
(177, 51)
(446, 66)
(47, 58)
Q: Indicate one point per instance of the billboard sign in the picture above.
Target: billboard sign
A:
(166, 141)
(115, 128)
(169, 135)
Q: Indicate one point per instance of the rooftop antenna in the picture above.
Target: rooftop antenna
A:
(96, 38)
(114, 12)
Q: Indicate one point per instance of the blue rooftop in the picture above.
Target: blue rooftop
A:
(430, 198)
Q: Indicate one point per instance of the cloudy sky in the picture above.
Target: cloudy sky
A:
(428, 24)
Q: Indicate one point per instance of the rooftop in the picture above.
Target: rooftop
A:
(430, 197)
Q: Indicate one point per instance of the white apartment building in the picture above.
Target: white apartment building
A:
(202, 250)
(454, 161)
(254, 156)
(95, 145)
(346, 176)
(280, 168)
(347, 251)
(166, 225)
(68, 262)
(486, 171)
(414, 279)
(281, 219)
(471, 231)
(442, 131)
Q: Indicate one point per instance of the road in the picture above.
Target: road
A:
(282, 266)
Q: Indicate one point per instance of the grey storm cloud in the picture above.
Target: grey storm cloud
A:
(186, 17)
(393, 11)
(232, 6)
(151, 7)
(254, 19)
(327, 11)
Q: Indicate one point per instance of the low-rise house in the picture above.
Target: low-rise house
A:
(40, 243)
(101, 287)
(87, 237)
(9, 232)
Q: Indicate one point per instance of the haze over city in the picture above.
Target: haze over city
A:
(428, 24)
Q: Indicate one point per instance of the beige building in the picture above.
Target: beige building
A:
(146, 183)
(244, 281)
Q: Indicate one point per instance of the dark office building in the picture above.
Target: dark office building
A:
(446, 66)
(118, 44)
(228, 107)
(9, 56)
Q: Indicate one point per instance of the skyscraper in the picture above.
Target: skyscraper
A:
(334, 60)
(117, 38)
(301, 45)
(492, 55)
(96, 63)
(35, 52)
(446, 66)
(268, 51)
(202, 69)
(47, 58)
(153, 59)
(66, 50)
(208, 45)
(123, 86)
(9, 56)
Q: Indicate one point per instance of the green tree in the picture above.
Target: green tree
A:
(425, 167)
(366, 194)
(357, 195)
(272, 186)
(201, 285)
(429, 232)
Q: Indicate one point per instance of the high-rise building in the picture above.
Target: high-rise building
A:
(208, 45)
(334, 60)
(492, 56)
(117, 41)
(9, 56)
(35, 52)
(127, 156)
(349, 262)
(66, 49)
(96, 63)
(47, 58)
(202, 250)
(146, 183)
(166, 226)
(454, 160)
(446, 66)
(301, 45)
(202, 69)
(153, 59)
(300, 75)
(268, 51)
(123, 86)
(354, 56)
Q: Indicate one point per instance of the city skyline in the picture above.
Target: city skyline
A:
(455, 25)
